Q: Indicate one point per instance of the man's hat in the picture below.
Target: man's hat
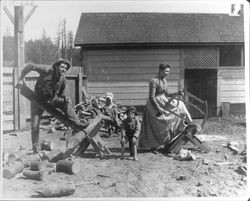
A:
(131, 109)
(59, 61)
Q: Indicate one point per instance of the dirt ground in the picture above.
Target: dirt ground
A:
(213, 174)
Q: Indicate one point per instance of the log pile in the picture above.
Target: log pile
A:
(38, 167)
(87, 111)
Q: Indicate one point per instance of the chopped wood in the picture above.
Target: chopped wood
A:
(37, 165)
(53, 156)
(68, 166)
(34, 175)
(26, 160)
(223, 163)
(13, 169)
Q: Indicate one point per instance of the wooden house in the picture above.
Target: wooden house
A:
(121, 52)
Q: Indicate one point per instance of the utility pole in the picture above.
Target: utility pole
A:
(19, 21)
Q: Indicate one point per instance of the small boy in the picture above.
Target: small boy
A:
(130, 132)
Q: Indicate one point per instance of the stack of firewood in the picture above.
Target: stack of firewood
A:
(87, 111)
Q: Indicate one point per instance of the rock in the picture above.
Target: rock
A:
(206, 161)
(242, 170)
(47, 145)
(199, 184)
(185, 155)
(56, 190)
(182, 178)
(234, 147)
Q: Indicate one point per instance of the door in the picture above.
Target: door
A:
(203, 84)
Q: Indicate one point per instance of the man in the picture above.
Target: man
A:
(50, 86)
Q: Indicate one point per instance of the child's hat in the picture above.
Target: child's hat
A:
(109, 95)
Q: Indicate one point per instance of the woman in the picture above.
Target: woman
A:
(159, 125)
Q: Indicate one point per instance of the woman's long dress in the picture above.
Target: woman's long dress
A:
(158, 129)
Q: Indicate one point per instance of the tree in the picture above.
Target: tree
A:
(41, 51)
(70, 45)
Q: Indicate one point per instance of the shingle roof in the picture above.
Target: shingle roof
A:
(120, 28)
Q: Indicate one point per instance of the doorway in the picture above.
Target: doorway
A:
(203, 84)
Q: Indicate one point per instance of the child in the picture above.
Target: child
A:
(110, 109)
(130, 131)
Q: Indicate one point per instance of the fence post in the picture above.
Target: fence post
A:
(20, 109)
(225, 107)
(79, 88)
(15, 99)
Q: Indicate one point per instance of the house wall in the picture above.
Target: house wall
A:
(232, 88)
(126, 72)
(232, 84)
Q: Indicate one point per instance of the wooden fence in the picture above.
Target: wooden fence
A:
(76, 80)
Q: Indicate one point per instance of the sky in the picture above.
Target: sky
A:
(49, 14)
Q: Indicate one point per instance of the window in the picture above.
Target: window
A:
(230, 55)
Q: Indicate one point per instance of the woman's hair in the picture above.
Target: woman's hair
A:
(164, 66)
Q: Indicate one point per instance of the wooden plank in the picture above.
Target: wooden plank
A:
(218, 101)
(230, 77)
(141, 51)
(120, 96)
(71, 90)
(116, 71)
(182, 70)
(8, 79)
(120, 58)
(234, 99)
(231, 67)
(8, 105)
(8, 126)
(233, 82)
(232, 87)
(8, 90)
(125, 89)
(79, 87)
(232, 93)
(8, 70)
(133, 64)
(15, 100)
(74, 70)
(92, 84)
(127, 77)
(134, 102)
(232, 72)
(8, 117)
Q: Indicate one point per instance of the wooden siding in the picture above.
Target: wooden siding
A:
(232, 84)
(8, 102)
(126, 73)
